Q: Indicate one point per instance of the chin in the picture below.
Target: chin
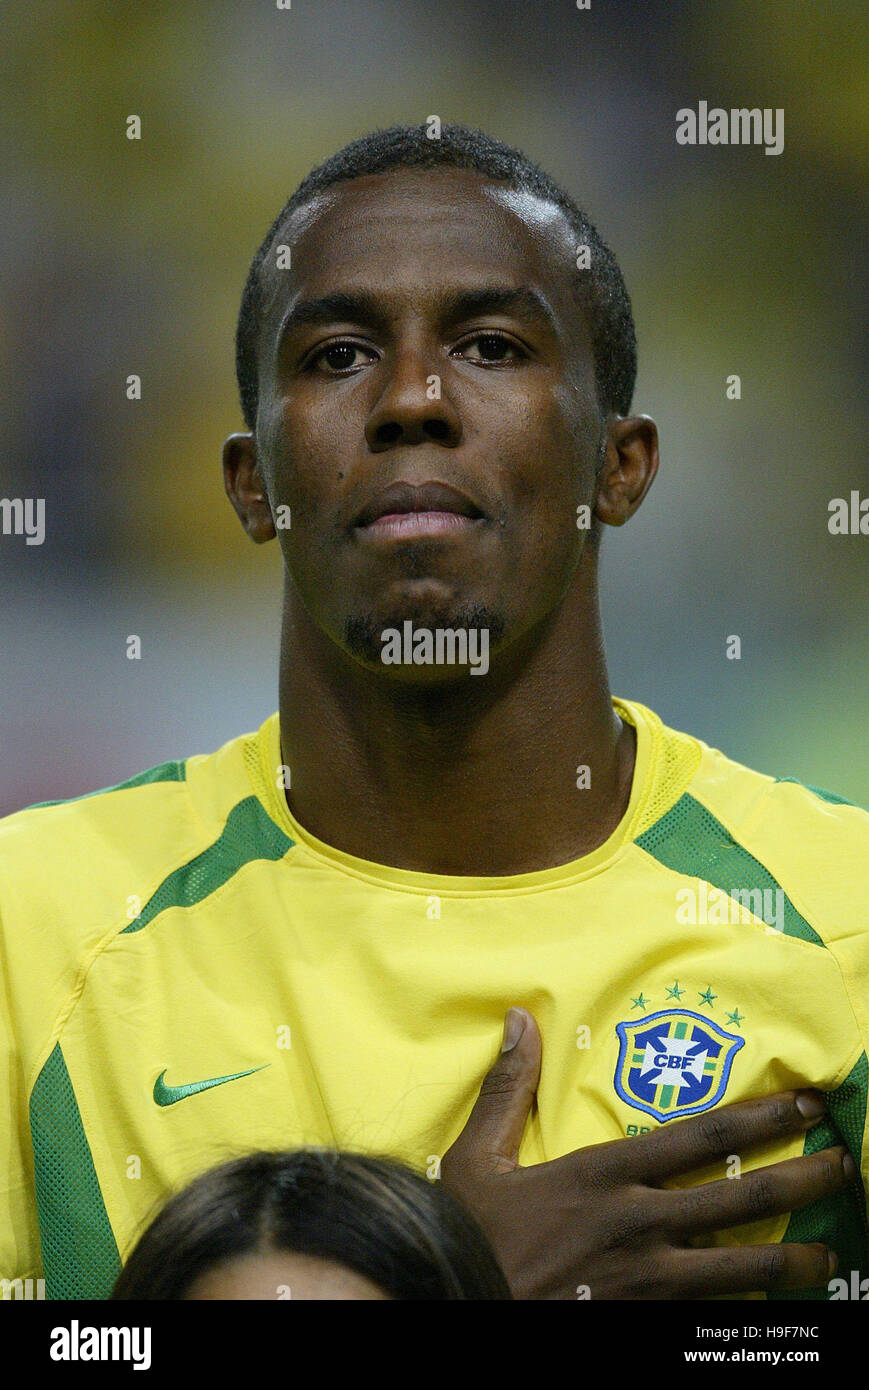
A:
(426, 642)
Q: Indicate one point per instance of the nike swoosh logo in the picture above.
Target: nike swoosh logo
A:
(168, 1095)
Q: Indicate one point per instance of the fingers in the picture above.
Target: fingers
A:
(751, 1269)
(683, 1145)
(764, 1192)
(489, 1142)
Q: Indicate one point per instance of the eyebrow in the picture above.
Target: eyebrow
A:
(361, 307)
(329, 308)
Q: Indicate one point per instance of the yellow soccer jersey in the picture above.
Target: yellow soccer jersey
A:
(189, 975)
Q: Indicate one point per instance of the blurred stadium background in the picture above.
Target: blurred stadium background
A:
(123, 256)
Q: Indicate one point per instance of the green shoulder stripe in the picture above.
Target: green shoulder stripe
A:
(832, 797)
(691, 841)
(838, 1221)
(79, 1251)
(163, 772)
(79, 1254)
(249, 834)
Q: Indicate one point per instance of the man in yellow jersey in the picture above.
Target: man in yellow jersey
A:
(313, 935)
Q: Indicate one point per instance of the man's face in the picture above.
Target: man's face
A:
(427, 334)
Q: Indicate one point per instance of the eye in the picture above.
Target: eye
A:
(336, 358)
(491, 348)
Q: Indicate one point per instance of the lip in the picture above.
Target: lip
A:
(442, 506)
(412, 525)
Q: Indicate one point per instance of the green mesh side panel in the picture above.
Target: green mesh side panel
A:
(838, 1221)
(824, 795)
(163, 772)
(690, 840)
(249, 834)
(79, 1254)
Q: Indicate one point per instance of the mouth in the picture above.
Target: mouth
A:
(405, 511)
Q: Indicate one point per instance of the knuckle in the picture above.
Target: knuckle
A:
(498, 1083)
(829, 1168)
(820, 1263)
(717, 1131)
(650, 1279)
(597, 1166)
(627, 1229)
(656, 1222)
(769, 1265)
(759, 1197)
(783, 1114)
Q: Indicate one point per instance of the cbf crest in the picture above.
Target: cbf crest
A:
(674, 1063)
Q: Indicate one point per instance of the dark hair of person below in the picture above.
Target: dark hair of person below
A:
(374, 1216)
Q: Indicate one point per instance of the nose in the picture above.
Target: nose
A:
(413, 408)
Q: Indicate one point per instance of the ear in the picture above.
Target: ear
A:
(245, 487)
(629, 468)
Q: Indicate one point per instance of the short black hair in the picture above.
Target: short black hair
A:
(601, 288)
(372, 1215)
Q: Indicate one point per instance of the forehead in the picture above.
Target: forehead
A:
(410, 230)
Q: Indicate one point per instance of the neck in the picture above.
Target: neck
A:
(477, 777)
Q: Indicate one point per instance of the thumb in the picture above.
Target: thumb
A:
(489, 1142)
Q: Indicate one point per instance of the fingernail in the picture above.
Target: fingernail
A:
(514, 1027)
(849, 1168)
(810, 1105)
(832, 1263)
